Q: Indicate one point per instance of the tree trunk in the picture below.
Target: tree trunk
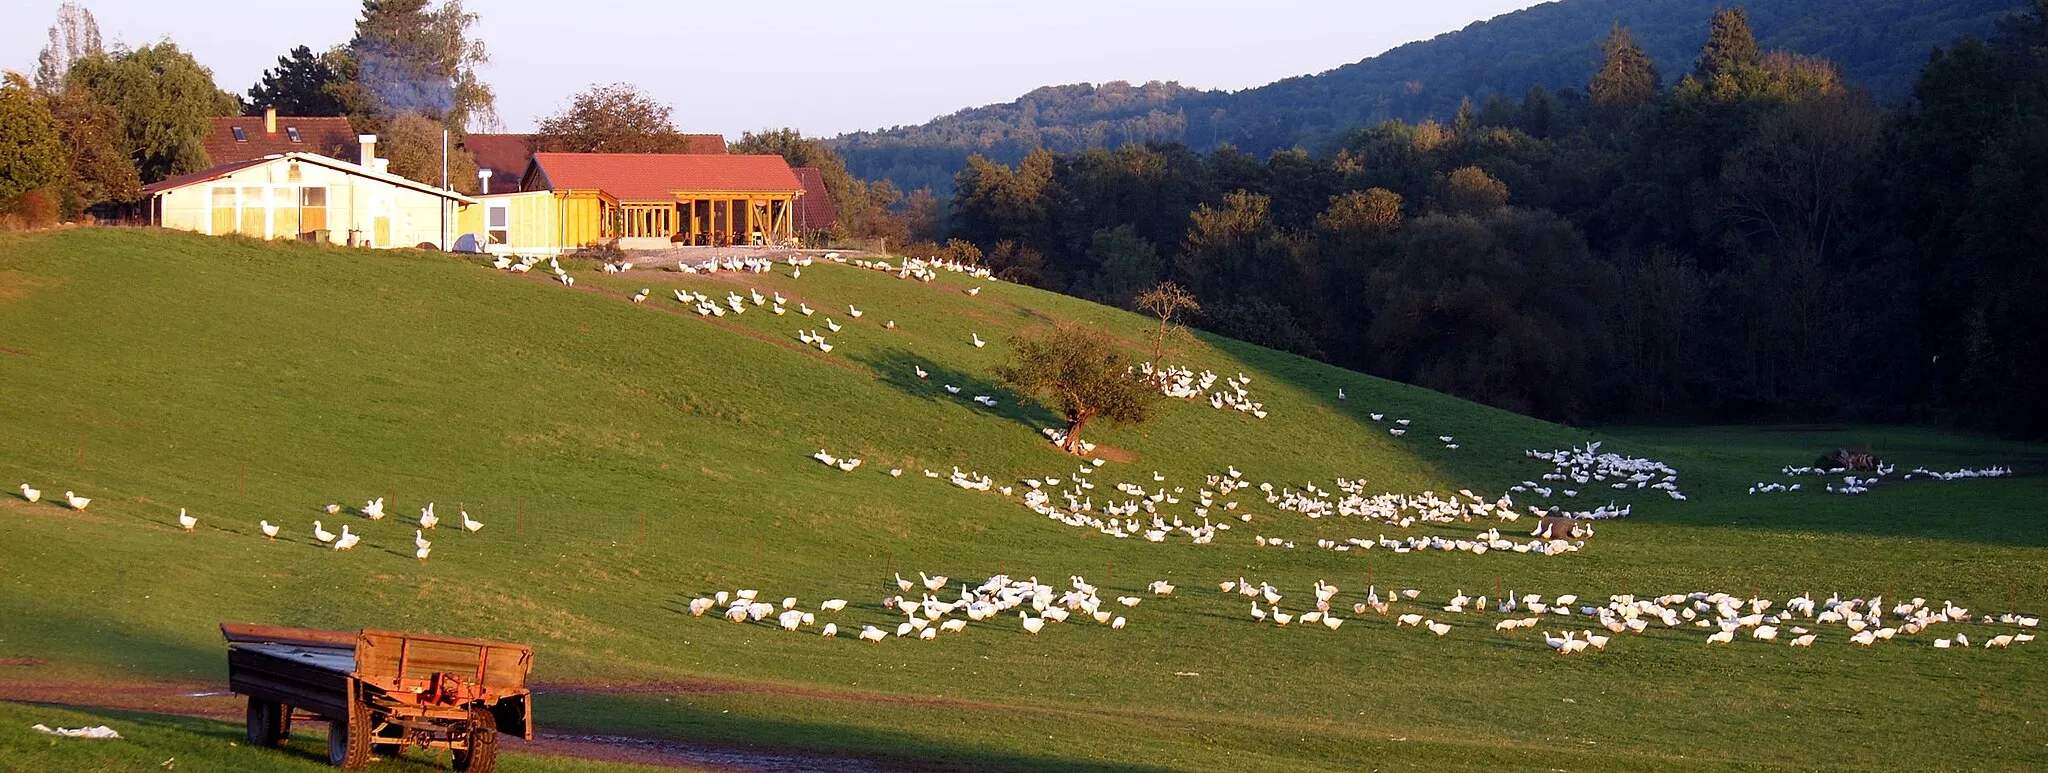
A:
(1074, 425)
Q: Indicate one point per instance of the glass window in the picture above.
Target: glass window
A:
(293, 132)
(223, 211)
(312, 209)
(497, 217)
(252, 212)
(240, 136)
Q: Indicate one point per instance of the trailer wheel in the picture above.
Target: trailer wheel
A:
(481, 754)
(348, 742)
(269, 723)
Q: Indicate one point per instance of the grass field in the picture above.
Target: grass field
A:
(627, 458)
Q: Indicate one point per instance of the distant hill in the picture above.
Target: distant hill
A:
(1879, 44)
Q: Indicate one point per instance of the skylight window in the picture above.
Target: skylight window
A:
(240, 136)
(293, 131)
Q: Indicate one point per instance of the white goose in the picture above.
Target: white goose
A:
(419, 540)
(346, 541)
(75, 501)
(921, 373)
(186, 522)
(34, 494)
(468, 524)
(322, 534)
(978, 343)
(374, 509)
(269, 530)
(428, 519)
(421, 553)
(853, 312)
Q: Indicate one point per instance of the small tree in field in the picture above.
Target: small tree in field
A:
(1163, 302)
(1080, 372)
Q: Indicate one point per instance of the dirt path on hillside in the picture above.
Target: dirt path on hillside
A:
(207, 700)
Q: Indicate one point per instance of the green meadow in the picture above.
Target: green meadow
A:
(627, 458)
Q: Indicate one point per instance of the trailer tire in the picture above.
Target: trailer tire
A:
(481, 754)
(269, 723)
(348, 742)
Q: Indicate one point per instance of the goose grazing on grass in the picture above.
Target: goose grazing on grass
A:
(1724, 637)
(950, 389)
(698, 606)
(269, 530)
(974, 291)
(469, 524)
(331, 509)
(1437, 628)
(832, 605)
(186, 522)
(322, 534)
(978, 343)
(75, 501)
(831, 631)
(890, 325)
(31, 494)
(869, 632)
(641, 296)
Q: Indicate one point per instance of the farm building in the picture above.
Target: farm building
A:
(306, 196)
(505, 156)
(648, 200)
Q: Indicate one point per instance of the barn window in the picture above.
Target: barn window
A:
(498, 232)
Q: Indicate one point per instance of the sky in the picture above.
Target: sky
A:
(824, 67)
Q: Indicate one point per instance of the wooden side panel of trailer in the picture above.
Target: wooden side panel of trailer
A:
(303, 686)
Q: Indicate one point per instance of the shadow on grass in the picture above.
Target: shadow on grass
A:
(827, 746)
(897, 369)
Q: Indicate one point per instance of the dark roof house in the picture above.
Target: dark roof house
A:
(245, 137)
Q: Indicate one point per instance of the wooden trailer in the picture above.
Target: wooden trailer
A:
(382, 691)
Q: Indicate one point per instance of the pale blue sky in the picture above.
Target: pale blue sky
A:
(823, 67)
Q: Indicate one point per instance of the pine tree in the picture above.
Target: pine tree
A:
(303, 83)
(1730, 45)
(1627, 77)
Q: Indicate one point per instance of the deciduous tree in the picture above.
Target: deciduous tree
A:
(1080, 372)
(1165, 301)
(617, 118)
(31, 148)
(164, 97)
(75, 36)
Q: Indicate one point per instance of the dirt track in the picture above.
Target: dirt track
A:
(210, 701)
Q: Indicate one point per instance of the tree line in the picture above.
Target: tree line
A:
(1754, 239)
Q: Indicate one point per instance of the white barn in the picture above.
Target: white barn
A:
(311, 197)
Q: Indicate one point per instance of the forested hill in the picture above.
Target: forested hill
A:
(1879, 45)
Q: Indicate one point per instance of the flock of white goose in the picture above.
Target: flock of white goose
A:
(1855, 483)
(337, 541)
(1582, 626)
(932, 612)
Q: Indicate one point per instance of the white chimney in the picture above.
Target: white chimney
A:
(369, 143)
(484, 176)
(269, 120)
(383, 165)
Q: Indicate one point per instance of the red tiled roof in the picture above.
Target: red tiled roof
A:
(504, 154)
(331, 137)
(814, 210)
(706, 144)
(652, 176)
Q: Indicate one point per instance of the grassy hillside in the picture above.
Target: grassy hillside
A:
(627, 458)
